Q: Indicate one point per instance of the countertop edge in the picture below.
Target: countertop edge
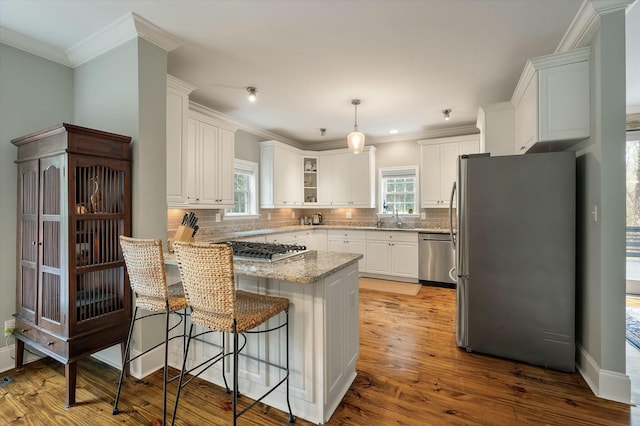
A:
(297, 228)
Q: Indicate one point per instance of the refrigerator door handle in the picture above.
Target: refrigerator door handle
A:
(451, 198)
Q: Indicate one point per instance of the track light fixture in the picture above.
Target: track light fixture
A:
(252, 93)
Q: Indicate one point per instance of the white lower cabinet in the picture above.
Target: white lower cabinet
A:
(348, 241)
(392, 253)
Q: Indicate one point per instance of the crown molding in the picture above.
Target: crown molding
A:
(587, 22)
(241, 125)
(35, 47)
(469, 129)
(179, 85)
(547, 61)
(118, 33)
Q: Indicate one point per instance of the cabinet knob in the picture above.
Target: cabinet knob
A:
(522, 148)
(24, 330)
(35, 242)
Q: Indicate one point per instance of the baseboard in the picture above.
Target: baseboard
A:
(139, 368)
(7, 358)
(604, 384)
(389, 277)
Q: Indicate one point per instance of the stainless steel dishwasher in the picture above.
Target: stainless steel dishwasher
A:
(435, 259)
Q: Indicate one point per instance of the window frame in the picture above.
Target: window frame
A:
(251, 168)
(399, 171)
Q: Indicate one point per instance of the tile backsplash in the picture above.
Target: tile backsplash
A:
(276, 218)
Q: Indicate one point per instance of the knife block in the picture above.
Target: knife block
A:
(183, 233)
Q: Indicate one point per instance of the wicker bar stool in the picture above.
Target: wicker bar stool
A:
(145, 266)
(206, 271)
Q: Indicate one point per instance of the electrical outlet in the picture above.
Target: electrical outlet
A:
(348, 215)
(293, 215)
(9, 326)
(217, 217)
(423, 215)
(268, 216)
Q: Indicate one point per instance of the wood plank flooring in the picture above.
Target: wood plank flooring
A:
(410, 372)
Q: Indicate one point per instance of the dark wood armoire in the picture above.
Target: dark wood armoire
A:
(74, 200)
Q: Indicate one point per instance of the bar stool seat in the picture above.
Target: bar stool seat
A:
(145, 266)
(206, 271)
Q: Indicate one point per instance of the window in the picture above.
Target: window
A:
(244, 189)
(399, 189)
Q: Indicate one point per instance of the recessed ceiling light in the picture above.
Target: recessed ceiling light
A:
(393, 131)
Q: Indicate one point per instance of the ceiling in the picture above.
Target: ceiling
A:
(405, 60)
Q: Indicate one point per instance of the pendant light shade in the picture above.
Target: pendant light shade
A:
(355, 139)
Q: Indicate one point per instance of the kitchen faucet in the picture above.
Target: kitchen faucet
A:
(398, 221)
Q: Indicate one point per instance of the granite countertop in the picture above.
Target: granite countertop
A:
(305, 268)
(219, 237)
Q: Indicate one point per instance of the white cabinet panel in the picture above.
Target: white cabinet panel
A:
(177, 117)
(438, 167)
(552, 102)
(210, 151)
(392, 253)
(345, 179)
(281, 177)
(346, 241)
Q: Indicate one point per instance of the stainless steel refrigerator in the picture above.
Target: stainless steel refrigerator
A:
(515, 257)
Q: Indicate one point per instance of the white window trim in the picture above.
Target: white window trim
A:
(402, 170)
(252, 167)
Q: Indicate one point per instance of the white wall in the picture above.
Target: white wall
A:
(600, 286)
(124, 91)
(35, 94)
(246, 146)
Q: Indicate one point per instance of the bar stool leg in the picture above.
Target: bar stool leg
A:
(292, 418)
(227, 390)
(166, 368)
(235, 374)
(125, 360)
(184, 368)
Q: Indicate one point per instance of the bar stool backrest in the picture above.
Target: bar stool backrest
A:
(145, 266)
(206, 271)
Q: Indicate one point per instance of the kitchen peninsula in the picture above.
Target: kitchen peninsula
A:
(323, 290)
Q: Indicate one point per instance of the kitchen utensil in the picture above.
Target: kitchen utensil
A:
(317, 219)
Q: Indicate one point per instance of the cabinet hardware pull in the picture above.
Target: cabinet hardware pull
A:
(50, 342)
(24, 330)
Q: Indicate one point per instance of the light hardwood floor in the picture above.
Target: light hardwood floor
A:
(410, 372)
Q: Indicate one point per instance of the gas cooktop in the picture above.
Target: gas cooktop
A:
(264, 252)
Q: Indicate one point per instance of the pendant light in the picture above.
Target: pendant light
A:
(252, 93)
(355, 138)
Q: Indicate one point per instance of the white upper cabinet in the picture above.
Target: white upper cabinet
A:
(210, 153)
(335, 178)
(281, 177)
(438, 167)
(345, 179)
(200, 152)
(177, 116)
(552, 102)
